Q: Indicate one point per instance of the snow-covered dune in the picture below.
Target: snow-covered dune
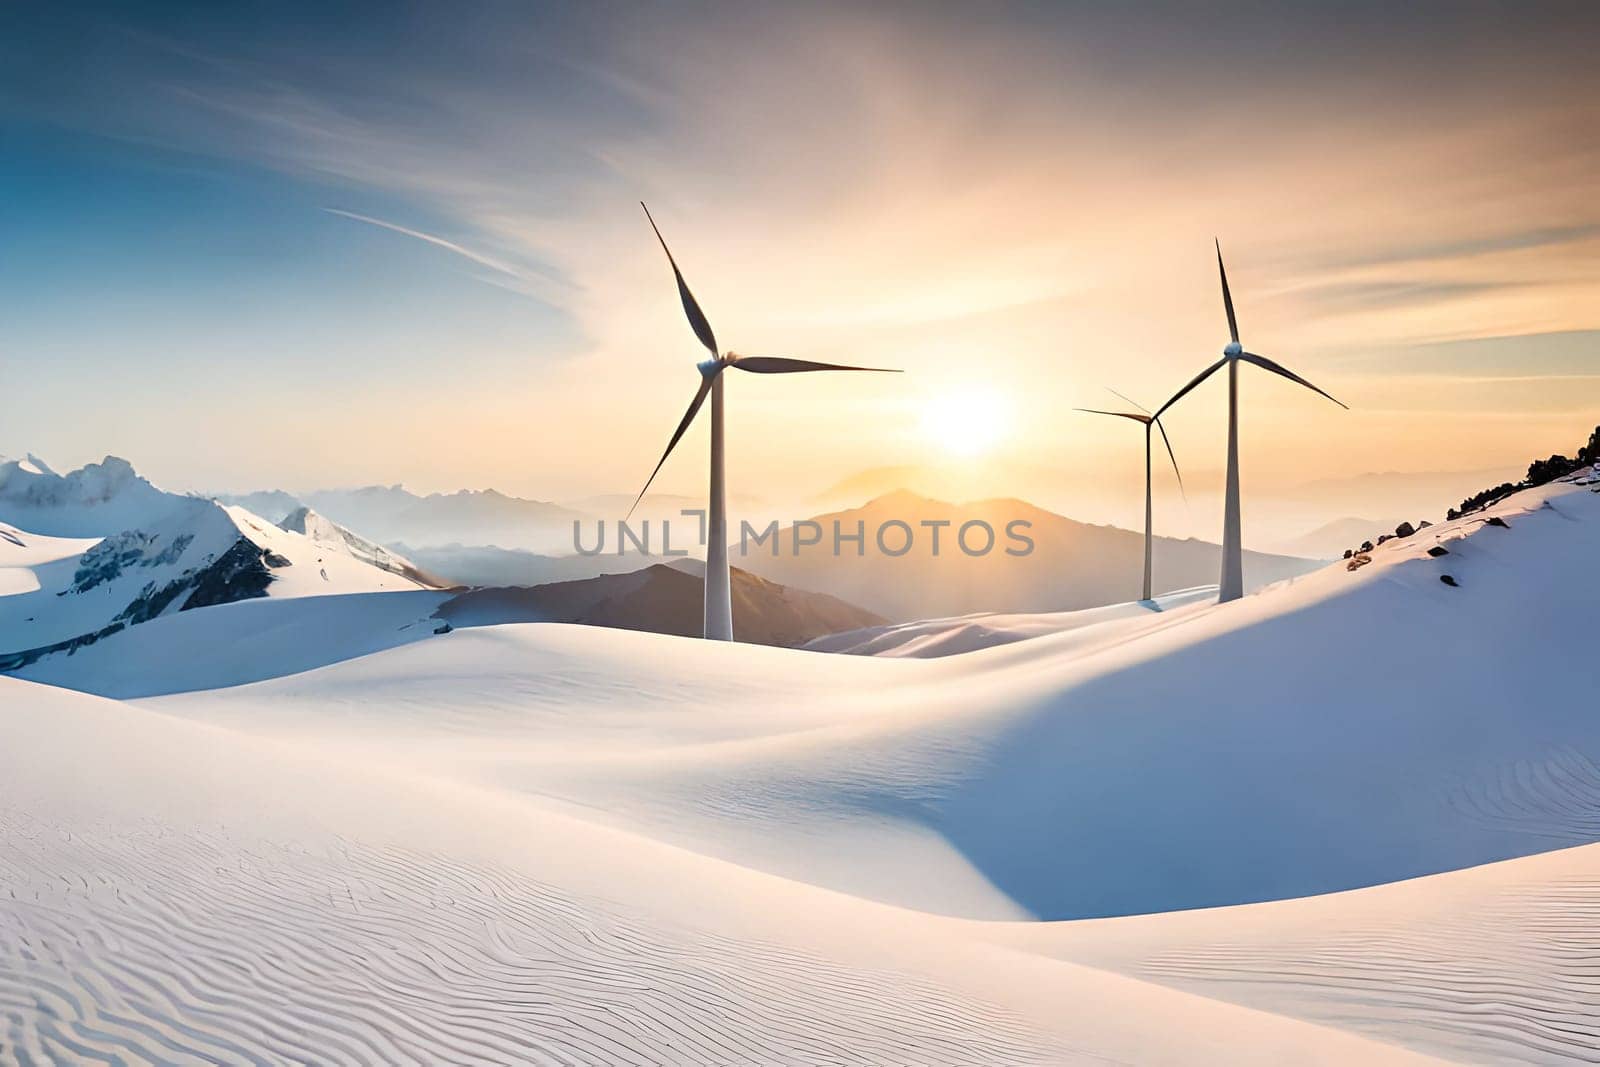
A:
(21, 551)
(928, 638)
(1489, 965)
(1347, 729)
(557, 843)
(181, 894)
(243, 642)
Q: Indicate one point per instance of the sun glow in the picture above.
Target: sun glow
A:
(966, 423)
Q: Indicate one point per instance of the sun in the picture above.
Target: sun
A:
(966, 423)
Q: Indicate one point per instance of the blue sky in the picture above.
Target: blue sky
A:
(251, 245)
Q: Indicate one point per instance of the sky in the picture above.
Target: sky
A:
(251, 246)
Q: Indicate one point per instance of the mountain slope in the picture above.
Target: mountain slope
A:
(329, 535)
(666, 600)
(1071, 564)
(212, 898)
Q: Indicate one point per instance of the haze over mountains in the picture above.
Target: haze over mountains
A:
(1330, 540)
(393, 513)
(1281, 507)
(1070, 564)
(491, 538)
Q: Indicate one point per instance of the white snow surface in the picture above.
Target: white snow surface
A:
(1341, 730)
(243, 642)
(552, 843)
(178, 893)
(928, 638)
(21, 552)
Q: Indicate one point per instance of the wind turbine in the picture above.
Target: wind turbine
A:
(1232, 583)
(719, 600)
(1147, 420)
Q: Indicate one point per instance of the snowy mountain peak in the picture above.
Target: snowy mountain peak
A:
(93, 482)
(93, 501)
(90, 553)
(330, 536)
(29, 464)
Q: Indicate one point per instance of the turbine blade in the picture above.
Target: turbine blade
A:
(1266, 364)
(1181, 393)
(691, 308)
(688, 417)
(1135, 403)
(1166, 441)
(1117, 414)
(784, 365)
(1227, 297)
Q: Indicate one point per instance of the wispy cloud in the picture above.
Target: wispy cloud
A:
(1472, 247)
(538, 285)
(432, 239)
(1397, 293)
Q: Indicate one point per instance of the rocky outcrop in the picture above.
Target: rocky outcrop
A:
(241, 573)
(121, 552)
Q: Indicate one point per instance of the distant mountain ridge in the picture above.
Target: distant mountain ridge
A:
(1071, 565)
(393, 513)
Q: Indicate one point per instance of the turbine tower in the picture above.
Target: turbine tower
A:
(1232, 582)
(719, 597)
(1147, 420)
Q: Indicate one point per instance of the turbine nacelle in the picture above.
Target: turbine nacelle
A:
(709, 368)
(1233, 349)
